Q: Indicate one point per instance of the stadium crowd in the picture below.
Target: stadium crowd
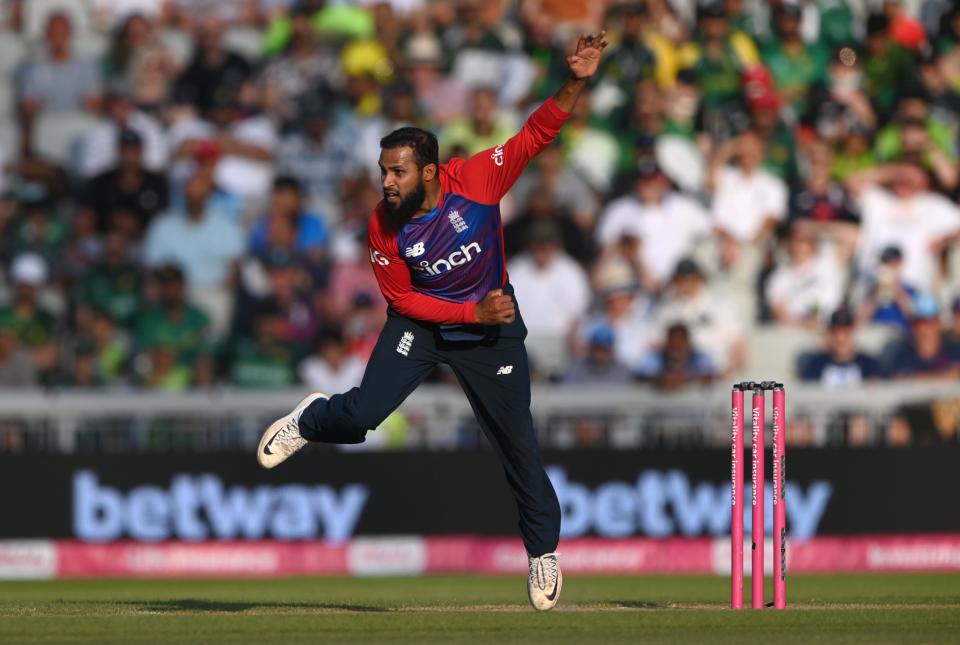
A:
(185, 184)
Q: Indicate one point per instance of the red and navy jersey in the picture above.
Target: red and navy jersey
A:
(438, 266)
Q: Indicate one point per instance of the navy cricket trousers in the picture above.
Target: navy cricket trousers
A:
(495, 377)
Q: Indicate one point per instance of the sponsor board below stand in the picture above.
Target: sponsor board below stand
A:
(415, 555)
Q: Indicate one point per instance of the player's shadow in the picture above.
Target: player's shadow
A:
(174, 605)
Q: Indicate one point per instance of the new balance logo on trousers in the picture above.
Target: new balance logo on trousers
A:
(505, 369)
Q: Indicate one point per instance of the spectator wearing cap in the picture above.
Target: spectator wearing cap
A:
(33, 325)
(624, 308)
(926, 354)
(808, 285)
(553, 288)
(839, 107)
(916, 137)
(765, 108)
(887, 298)
(171, 321)
(794, 64)
(677, 363)
(599, 366)
(331, 368)
(57, 81)
(905, 30)
(321, 155)
(126, 197)
(897, 208)
(839, 364)
(712, 320)
(667, 224)
(122, 119)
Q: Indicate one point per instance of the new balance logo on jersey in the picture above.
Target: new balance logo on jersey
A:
(506, 369)
(377, 258)
(458, 224)
(456, 259)
(406, 342)
(414, 251)
(497, 155)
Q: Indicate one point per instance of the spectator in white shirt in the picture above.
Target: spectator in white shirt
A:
(808, 286)
(712, 319)
(667, 224)
(897, 208)
(625, 309)
(748, 201)
(552, 288)
(245, 145)
(58, 81)
(332, 368)
(202, 240)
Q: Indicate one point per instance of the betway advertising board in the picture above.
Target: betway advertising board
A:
(337, 496)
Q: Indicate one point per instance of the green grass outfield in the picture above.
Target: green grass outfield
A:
(679, 609)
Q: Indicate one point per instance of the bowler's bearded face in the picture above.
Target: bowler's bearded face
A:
(403, 185)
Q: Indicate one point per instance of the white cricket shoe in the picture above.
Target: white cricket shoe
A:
(282, 438)
(545, 581)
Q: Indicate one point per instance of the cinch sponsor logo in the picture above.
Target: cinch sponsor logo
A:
(200, 507)
(664, 503)
(457, 258)
(497, 155)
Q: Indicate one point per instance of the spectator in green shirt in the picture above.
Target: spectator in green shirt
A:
(886, 65)
(795, 65)
(172, 321)
(484, 128)
(719, 55)
(917, 137)
(34, 326)
(263, 360)
(113, 285)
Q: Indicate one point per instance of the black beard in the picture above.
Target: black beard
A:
(402, 213)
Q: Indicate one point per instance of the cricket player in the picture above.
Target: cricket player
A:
(436, 247)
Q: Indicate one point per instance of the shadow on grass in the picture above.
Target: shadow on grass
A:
(226, 606)
(638, 604)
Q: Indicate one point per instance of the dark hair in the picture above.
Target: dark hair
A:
(287, 182)
(423, 143)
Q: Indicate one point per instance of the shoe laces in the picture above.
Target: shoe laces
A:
(544, 569)
(289, 432)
